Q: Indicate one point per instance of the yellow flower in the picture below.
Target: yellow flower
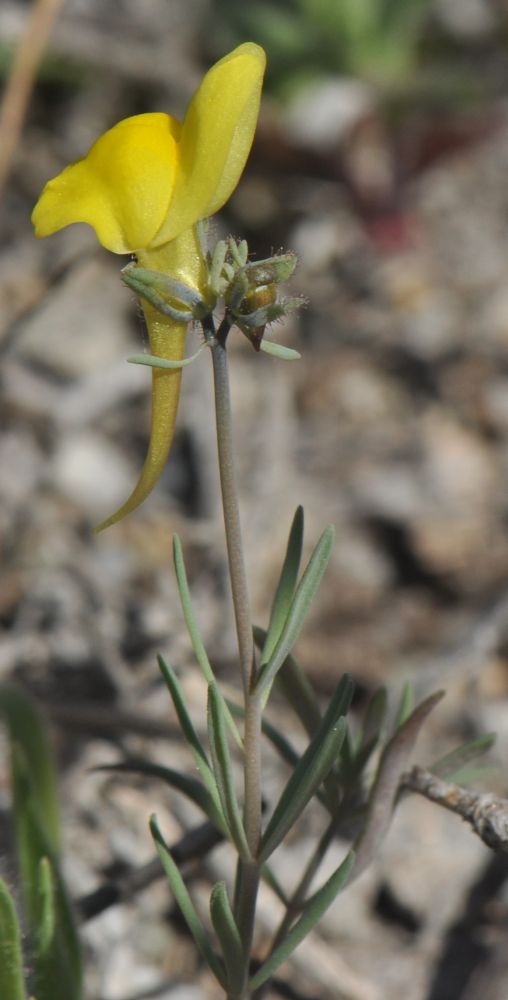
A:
(143, 186)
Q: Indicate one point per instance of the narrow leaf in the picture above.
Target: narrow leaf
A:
(154, 362)
(308, 775)
(229, 937)
(406, 705)
(190, 734)
(299, 607)
(185, 903)
(11, 957)
(279, 351)
(268, 875)
(194, 633)
(184, 783)
(457, 760)
(223, 769)
(286, 585)
(384, 790)
(314, 909)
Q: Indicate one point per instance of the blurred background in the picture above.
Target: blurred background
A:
(381, 158)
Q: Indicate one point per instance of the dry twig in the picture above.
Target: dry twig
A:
(486, 813)
(21, 80)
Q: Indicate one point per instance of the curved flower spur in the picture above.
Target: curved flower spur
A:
(143, 187)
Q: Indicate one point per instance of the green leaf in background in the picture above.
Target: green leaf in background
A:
(191, 735)
(32, 846)
(284, 748)
(310, 772)
(186, 905)
(11, 957)
(229, 937)
(183, 783)
(268, 875)
(194, 633)
(223, 769)
(313, 910)
(286, 585)
(27, 728)
(297, 612)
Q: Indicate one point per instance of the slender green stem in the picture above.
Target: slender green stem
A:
(248, 872)
(232, 513)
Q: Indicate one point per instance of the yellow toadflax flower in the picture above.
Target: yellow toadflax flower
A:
(143, 186)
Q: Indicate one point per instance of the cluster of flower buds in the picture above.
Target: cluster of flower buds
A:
(247, 289)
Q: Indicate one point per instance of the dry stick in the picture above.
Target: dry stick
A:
(21, 80)
(487, 814)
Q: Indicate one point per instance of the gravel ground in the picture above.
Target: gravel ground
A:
(393, 426)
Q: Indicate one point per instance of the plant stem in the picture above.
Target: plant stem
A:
(232, 526)
(248, 872)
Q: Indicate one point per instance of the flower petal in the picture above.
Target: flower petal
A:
(122, 187)
(216, 138)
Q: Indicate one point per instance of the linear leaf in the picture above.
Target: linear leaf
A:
(184, 783)
(190, 733)
(185, 903)
(406, 705)
(308, 775)
(229, 936)
(299, 607)
(26, 727)
(286, 585)
(11, 957)
(296, 688)
(194, 633)
(314, 909)
(457, 760)
(268, 875)
(223, 769)
(382, 798)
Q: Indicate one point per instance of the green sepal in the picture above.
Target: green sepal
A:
(26, 727)
(153, 286)
(279, 351)
(155, 362)
(278, 269)
(297, 612)
(181, 894)
(12, 985)
(195, 635)
(228, 934)
(191, 736)
(223, 770)
(311, 770)
(184, 783)
(239, 251)
(313, 910)
(217, 283)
